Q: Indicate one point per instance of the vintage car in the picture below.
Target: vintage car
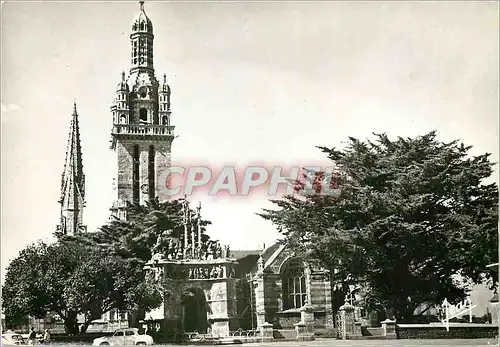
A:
(10, 338)
(121, 337)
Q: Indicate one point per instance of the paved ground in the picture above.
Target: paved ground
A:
(354, 343)
(384, 343)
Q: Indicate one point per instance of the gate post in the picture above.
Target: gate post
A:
(389, 328)
(347, 325)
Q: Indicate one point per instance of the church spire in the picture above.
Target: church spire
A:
(73, 182)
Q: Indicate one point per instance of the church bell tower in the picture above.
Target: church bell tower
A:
(142, 135)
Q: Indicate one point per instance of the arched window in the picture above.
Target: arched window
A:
(164, 120)
(143, 115)
(293, 285)
(123, 119)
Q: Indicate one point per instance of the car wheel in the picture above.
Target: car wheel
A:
(104, 344)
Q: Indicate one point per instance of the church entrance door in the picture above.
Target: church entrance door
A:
(194, 311)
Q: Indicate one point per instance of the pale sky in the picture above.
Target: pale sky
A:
(250, 82)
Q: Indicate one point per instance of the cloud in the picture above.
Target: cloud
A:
(10, 108)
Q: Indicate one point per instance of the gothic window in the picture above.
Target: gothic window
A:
(142, 25)
(164, 120)
(293, 285)
(123, 119)
(143, 115)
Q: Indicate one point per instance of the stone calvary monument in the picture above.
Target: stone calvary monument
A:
(199, 280)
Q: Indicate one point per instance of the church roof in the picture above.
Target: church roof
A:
(240, 254)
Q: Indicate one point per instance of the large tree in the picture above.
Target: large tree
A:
(412, 213)
(67, 278)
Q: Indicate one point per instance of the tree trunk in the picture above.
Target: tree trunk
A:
(71, 323)
(133, 318)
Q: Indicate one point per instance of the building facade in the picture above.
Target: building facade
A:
(218, 291)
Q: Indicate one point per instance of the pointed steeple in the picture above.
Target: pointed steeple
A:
(73, 182)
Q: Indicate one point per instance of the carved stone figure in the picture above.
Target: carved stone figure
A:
(226, 251)
(221, 272)
(218, 250)
(213, 273)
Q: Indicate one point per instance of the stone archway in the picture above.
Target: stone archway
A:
(195, 310)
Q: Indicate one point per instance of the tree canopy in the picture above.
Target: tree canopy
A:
(412, 213)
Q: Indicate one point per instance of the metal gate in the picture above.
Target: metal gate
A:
(340, 325)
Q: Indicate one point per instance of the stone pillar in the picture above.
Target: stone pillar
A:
(143, 173)
(260, 308)
(329, 321)
(266, 332)
(389, 328)
(304, 332)
(307, 315)
(125, 170)
(162, 163)
(347, 324)
(307, 273)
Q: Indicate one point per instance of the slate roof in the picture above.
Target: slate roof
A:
(266, 254)
(240, 254)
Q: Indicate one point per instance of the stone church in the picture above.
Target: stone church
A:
(215, 289)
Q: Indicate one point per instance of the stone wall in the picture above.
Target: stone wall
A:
(438, 331)
(287, 320)
(125, 155)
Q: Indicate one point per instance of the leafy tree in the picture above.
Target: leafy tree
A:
(412, 213)
(66, 278)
